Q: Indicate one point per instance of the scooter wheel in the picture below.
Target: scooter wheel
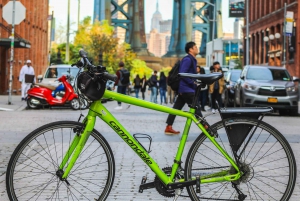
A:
(30, 103)
(75, 105)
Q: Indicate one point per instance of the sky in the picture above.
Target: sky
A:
(87, 9)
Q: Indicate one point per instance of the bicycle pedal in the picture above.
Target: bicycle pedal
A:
(144, 179)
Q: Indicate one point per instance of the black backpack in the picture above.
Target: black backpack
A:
(173, 79)
(124, 76)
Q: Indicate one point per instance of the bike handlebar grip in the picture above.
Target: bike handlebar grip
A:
(83, 53)
(72, 65)
(111, 77)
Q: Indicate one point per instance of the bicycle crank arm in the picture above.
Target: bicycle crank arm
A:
(181, 184)
(146, 186)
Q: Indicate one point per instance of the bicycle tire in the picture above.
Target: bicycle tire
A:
(31, 172)
(265, 156)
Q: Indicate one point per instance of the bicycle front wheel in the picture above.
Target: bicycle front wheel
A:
(268, 163)
(32, 169)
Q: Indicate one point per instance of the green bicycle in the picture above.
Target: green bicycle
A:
(239, 158)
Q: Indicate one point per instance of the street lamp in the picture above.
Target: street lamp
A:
(266, 39)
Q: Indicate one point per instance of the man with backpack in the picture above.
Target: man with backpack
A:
(187, 86)
(122, 81)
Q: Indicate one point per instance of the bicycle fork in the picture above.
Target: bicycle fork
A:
(81, 137)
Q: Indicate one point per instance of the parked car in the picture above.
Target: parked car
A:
(230, 81)
(53, 72)
(268, 86)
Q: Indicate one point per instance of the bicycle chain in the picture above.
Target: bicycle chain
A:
(212, 198)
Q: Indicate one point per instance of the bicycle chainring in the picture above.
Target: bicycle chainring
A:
(161, 188)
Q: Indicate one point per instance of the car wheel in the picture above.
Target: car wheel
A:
(226, 103)
(84, 104)
(241, 100)
(30, 103)
(293, 112)
(75, 105)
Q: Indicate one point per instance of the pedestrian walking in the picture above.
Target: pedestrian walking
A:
(162, 88)
(187, 86)
(153, 82)
(144, 86)
(137, 85)
(216, 89)
(26, 78)
(122, 82)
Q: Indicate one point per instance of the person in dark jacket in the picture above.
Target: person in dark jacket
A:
(154, 87)
(137, 85)
(143, 86)
(162, 88)
(187, 86)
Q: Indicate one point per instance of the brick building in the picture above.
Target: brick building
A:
(31, 42)
(266, 19)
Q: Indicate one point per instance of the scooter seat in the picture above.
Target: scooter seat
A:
(46, 86)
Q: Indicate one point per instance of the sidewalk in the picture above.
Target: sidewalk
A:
(16, 103)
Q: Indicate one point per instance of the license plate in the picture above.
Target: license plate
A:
(272, 100)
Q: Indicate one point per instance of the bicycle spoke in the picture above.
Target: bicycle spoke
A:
(49, 150)
(47, 153)
(262, 191)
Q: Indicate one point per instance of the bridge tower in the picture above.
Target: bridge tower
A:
(128, 17)
(187, 17)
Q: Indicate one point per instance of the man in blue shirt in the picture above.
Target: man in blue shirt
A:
(187, 86)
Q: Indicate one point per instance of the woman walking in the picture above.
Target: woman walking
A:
(137, 85)
(143, 87)
(162, 88)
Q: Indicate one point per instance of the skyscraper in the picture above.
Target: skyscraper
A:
(156, 18)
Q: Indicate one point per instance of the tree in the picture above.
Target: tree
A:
(99, 38)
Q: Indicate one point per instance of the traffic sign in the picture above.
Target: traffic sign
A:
(20, 12)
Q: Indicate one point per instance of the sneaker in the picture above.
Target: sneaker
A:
(203, 110)
(22, 99)
(118, 108)
(169, 131)
(213, 111)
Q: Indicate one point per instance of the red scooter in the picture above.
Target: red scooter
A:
(42, 95)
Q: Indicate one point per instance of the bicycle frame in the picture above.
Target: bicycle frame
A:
(97, 109)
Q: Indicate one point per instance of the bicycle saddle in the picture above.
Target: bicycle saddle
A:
(205, 78)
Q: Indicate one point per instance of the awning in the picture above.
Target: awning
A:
(19, 43)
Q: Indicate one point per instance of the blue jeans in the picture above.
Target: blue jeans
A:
(121, 90)
(153, 94)
(137, 91)
(162, 93)
(203, 98)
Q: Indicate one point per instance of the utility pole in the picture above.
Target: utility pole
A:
(12, 51)
(68, 34)
(284, 37)
(78, 17)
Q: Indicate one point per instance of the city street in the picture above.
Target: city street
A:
(129, 168)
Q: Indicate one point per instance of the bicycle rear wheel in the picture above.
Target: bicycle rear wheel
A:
(31, 172)
(268, 162)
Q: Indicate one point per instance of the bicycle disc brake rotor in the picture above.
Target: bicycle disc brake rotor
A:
(161, 188)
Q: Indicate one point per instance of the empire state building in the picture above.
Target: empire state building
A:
(156, 18)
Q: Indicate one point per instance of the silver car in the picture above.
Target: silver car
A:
(267, 86)
(54, 72)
